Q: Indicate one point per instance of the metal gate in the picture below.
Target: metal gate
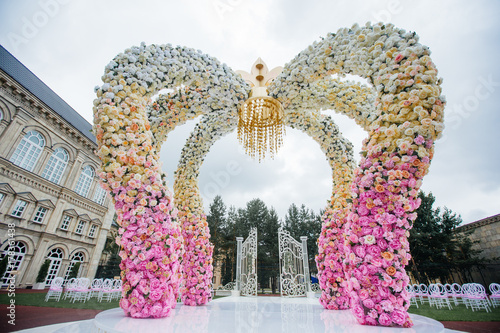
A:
(246, 264)
(294, 265)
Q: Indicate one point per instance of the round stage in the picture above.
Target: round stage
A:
(253, 314)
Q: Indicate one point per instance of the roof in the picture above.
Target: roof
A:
(16, 70)
(479, 223)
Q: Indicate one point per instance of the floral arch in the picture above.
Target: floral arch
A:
(363, 246)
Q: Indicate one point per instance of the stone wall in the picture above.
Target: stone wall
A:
(487, 233)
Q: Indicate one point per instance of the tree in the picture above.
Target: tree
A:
(436, 248)
(3, 265)
(42, 273)
(303, 222)
(216, 220)
(269, 256)
(228, 268)
(74, 270)
(111, 268)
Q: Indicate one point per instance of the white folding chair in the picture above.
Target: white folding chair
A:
(476, 297)
(412, 294)
(55, 290)
(95, 288)
(423, 294)
(106, 292)
(495, 294)
(81, 290)
(70, 288)
(117, 289)
(438, 296)
(456, 293)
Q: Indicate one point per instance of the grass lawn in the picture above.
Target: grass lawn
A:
(38, 299)
(458, 313)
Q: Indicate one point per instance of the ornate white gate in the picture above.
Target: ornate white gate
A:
(294, 265)
(246, 264)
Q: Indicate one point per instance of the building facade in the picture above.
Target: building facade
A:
(51, 205)
(485, 234)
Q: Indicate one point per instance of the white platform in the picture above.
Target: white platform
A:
(253, 314)
(241, 314)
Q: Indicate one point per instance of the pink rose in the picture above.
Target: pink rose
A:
(124, 304)
(358, 312)
(368, 303)
(399, 317)
(156, 310)
(384, 319)
(374, 250)
(360, 251)
(155, 294)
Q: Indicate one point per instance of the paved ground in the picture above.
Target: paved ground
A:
(33, 316)
(473, 326)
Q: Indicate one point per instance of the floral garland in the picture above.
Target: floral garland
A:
(150, 235)
(198, 262)
(406, 120)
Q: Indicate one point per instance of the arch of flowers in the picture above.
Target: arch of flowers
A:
(363, 245)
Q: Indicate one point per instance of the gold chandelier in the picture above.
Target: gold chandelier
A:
(260, 118)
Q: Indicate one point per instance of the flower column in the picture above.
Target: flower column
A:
(151, 243)
(331, 255)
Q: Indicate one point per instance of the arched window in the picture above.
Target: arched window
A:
(55, 256)
(15, 254)
(1, 115)
(99, 195)
(77, 257)
(85, 180)
(56, 165)
(28, 151)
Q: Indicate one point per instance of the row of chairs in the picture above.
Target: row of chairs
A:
(81, 289)
(472, 295)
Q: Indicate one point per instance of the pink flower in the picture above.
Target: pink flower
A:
(399, 317)
(368, 303)
(358, 312)
(156, 310)
(384, 319)
(419, 140)
(155, 295)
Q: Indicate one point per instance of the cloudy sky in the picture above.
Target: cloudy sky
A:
(67, 43)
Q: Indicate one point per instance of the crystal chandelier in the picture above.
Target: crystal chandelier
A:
(260, 123)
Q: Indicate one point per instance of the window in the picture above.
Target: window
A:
(19, 208)
(92, 230)
(1, 115)
(99, 195)
(1, 197)
(65, 222)
(40, 214)
(77, 257)
(28, 151)
(56, 165)
(85, 180)
(79, 227)
(55, 256)
(18, 250)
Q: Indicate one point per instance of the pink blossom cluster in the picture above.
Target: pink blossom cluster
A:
(376, 248)
(197, 261)
(151, 246)
(330, 261)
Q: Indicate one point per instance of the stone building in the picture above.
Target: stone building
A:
(485, 234)
(51, 204)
